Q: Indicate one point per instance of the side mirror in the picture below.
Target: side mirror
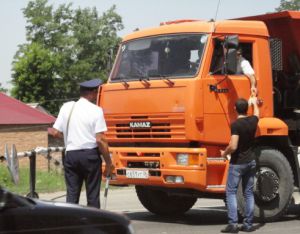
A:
(231, 42)
(230, 46)
(231, 61)
(3, 198)
(10, 200)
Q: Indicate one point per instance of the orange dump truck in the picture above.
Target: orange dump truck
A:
(169, 102)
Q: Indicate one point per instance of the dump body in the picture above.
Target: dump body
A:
(284, 25)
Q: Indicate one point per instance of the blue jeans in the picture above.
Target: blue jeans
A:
(236, 173)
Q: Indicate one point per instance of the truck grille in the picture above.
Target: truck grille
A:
(146, 164)
(145, 127)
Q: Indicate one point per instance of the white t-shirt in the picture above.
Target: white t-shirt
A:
(86, 120)
(244, 67)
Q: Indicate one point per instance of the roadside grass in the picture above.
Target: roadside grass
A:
(46, 182)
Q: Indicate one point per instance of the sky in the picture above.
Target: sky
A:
(135, 14)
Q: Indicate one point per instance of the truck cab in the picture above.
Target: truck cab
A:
(169, 103)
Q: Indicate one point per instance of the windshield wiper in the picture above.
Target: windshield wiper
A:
(145, 80)
(163, 77)
(125, 83)
(123, 80)
(171, 83)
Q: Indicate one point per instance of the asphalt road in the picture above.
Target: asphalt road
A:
(207, 216)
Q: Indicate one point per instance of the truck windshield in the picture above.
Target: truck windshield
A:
(171, 56)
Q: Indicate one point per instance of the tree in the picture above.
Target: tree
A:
(64, 47)
(2, 89)
(34, 74)
(293, 5)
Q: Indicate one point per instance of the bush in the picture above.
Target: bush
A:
(46, 182)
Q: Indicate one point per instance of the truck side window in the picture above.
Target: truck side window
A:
(246, 52)
(217, 61)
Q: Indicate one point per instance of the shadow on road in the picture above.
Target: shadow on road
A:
(199, 216)
(293, 213)
(205, 216)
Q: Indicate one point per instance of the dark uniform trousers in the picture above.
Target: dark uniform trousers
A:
(83, 165)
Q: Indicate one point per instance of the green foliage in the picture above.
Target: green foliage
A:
(2, 89)
(35, 74)
(45, 181)
(293, 5)
(64, 47)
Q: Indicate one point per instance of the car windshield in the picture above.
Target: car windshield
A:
(171, 56)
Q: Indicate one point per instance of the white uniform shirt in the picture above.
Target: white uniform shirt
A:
(86, 120)
(244, 67)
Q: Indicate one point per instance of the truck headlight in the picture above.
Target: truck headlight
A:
(182, 159)
(185, 159)
(174, 179)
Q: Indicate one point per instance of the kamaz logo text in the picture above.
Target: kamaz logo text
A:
(140, 124)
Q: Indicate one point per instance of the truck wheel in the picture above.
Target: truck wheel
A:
(160, 203)
(273, 186)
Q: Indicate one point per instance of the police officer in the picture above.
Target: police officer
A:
(82, 126)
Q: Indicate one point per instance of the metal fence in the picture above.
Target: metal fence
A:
(12, 160)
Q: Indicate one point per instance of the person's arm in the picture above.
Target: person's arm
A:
(253, 87)
(255, 107)
(55, 133)
(249, 72)
(231, 147)
(103, 147)
(57, 129)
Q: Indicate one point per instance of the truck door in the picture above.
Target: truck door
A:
(219, 100)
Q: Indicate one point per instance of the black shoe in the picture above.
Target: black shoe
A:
(230, 229)
(247, 229)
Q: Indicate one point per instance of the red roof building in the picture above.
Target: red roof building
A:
(13, 111)
(23, 126)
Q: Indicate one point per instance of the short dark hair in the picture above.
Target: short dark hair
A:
(241, 106)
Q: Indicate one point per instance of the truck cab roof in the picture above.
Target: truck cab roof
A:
(185, 26)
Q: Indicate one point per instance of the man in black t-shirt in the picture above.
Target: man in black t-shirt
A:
(242, 165)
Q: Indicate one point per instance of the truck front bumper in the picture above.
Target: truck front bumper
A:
(169, 167)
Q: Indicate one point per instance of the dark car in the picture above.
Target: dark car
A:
(25, 215)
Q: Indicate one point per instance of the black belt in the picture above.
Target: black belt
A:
(94, 150)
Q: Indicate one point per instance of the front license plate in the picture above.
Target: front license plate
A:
(137, 174)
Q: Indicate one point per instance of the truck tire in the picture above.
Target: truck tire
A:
(273, 186)
(161, 203)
